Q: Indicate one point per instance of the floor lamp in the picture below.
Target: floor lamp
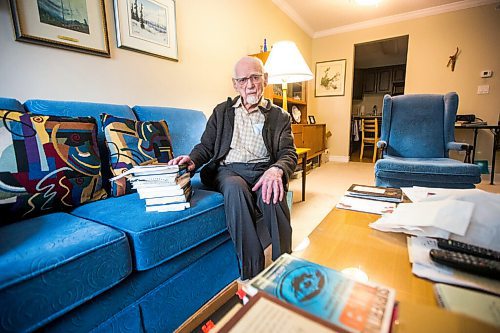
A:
(286, 65)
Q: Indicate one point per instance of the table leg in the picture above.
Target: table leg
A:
(494, 155)
(474, 143)
(304, 166)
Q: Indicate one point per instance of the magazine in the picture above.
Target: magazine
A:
(375, 193)
(330, 295)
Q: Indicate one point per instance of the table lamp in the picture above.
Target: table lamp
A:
(286, 65)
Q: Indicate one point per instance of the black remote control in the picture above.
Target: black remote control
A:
(467, 262)
(477, 251)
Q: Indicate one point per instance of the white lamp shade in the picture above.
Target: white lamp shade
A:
(286, 65)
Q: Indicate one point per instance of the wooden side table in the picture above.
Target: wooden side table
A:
(302, 152)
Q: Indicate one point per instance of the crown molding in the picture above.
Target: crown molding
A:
(465, 4)
(294, 16)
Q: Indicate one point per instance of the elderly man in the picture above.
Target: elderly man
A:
(249, 154)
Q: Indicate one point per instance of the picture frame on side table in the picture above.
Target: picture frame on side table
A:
(312, 120)
(147, 26)
(330, 78)
(76, 25)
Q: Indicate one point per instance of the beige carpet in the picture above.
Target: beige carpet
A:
(324, 187)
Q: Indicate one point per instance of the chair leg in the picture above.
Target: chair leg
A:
(361, 154)
(374, 153)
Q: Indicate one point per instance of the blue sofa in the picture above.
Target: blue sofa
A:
(108, 266)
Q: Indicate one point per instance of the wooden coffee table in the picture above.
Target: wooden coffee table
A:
(344, 240)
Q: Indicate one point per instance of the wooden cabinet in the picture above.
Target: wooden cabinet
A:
(311, 136)
(357, 87)
(381, 80)
(399, 73)
(384, 80)
(398, 80)
(370, 81)
(296, 93)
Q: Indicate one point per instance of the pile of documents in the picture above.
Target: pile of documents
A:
(469, 216)
(164, 187)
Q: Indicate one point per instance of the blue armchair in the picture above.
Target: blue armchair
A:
(417, 133)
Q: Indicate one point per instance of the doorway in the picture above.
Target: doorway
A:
(379, 69)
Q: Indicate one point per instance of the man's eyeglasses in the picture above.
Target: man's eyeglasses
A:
(255, 78)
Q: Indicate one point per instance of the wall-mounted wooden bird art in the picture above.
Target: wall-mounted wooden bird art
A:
(453, 60)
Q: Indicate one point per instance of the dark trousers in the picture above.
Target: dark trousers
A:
(243, 207)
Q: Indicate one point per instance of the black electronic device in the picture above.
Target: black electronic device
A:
(453, 245)
(466, 262)
(466, 118)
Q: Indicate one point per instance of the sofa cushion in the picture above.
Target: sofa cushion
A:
(10, 104)
(157, 237)
(83, 109)
(430, 172)
(47, 163)
(186, 126)
(52, 263)
(132, 143)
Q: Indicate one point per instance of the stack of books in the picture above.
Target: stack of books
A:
(371, 199)
(165, 188)
(335, 298)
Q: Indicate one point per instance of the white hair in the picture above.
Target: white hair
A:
(249, 59)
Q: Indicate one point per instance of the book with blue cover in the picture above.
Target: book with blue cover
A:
(328, 294)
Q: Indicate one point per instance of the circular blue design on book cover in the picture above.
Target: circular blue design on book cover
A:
(302, 285)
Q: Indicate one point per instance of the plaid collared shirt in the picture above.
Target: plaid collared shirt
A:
(247, 144)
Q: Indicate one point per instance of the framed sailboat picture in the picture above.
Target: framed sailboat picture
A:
(147, 26)
(76, 25)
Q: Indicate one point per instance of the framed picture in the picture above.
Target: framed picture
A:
(76, 25)
(147, 26)
(330, 78)
(312, 120)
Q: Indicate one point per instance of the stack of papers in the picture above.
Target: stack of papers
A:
(433, 219)
(366, 205)
(470, 216)
(424, 267)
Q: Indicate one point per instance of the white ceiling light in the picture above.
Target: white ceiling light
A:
(367, 2)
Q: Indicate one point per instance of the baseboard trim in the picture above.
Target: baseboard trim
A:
(342, 159)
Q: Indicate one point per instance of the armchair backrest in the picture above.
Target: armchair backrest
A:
(419, 125)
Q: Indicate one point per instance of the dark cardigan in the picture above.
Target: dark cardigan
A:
(216, 140)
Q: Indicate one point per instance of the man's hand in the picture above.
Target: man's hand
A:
(272, 185)
(183, 159)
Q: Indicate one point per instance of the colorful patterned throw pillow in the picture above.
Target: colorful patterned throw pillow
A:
(47, 163)
(131, 143)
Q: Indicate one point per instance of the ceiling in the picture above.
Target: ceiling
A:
(319, 18)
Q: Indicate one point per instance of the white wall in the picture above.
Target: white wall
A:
(212, 36)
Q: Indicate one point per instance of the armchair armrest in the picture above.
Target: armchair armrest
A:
(459, 146)
(382, 146)
(462, 146)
